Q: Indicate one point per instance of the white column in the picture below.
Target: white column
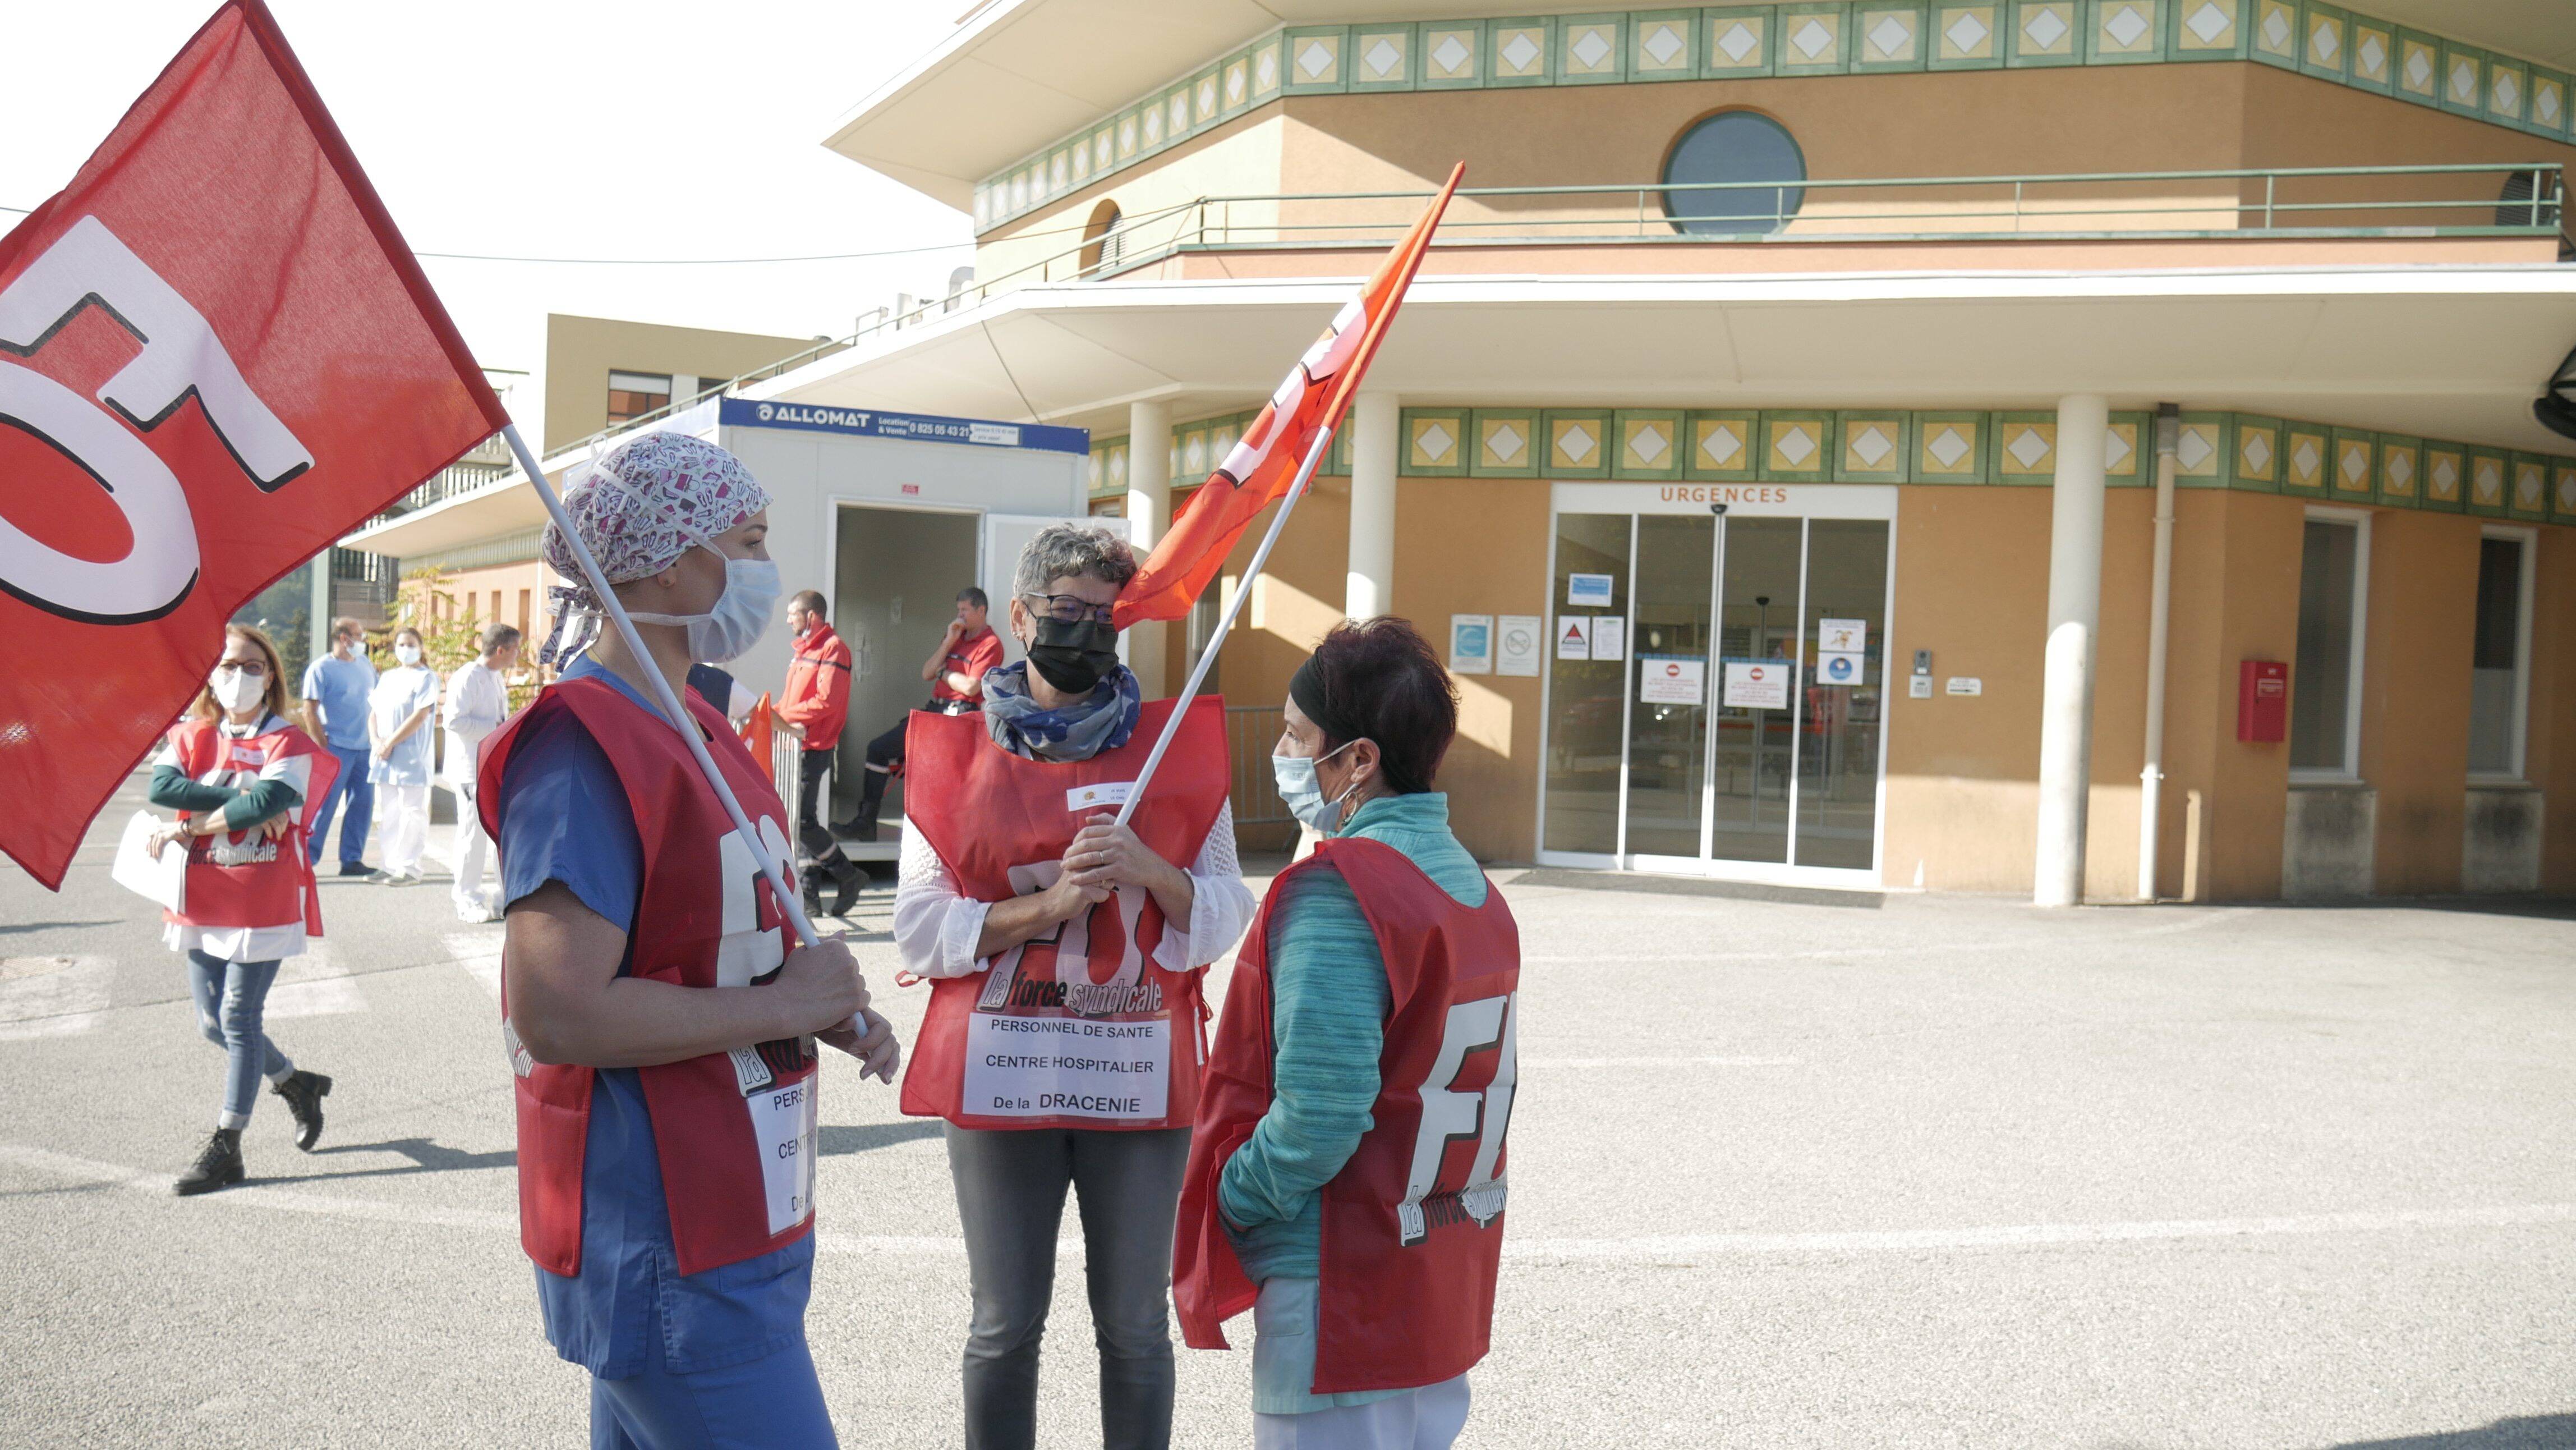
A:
(1149, 512)
(1370, 587)
(2074, 619)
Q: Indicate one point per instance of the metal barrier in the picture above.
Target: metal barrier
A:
(1261, 820)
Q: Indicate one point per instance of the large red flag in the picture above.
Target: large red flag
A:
(1309, 404)
(216, 357)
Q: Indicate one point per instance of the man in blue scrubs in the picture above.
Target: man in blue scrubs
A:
(336, 688)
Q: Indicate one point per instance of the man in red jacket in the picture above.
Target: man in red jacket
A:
(814, 708)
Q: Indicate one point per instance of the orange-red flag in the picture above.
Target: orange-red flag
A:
(216, 357)
(760, 736)
(1307, 407)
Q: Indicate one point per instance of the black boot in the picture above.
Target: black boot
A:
(218, 1163)
(304, 1092)
(848, 881)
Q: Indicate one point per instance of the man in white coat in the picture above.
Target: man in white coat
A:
(478, 698)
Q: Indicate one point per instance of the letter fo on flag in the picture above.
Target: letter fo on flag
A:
(1309, 404)
(216, 356)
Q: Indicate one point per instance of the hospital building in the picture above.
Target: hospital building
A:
(2070, 448)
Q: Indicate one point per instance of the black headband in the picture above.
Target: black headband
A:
(1306, 687)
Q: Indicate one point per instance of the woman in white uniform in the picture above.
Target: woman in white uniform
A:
(398, 716)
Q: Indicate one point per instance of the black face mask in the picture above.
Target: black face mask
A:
(1074, 657)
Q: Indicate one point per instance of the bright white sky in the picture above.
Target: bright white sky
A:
(560, 128)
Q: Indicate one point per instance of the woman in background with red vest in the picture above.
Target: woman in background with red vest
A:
(1347, 1181)
(244, 781)
(659, 1024)
(1063, 1043)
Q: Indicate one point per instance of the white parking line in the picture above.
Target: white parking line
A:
(1530, 1061)
(52, 996)
(314, 985)
(1642, 1249)
(479, 953)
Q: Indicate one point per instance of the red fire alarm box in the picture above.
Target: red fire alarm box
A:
(2262, 701)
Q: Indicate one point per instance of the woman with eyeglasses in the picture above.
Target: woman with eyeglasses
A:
(1063, 1041)
(244, 781)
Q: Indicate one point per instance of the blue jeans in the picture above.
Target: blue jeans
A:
(352, 782)
(230, 998)
(774, 1402)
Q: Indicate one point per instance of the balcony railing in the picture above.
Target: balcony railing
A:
(2456, 201)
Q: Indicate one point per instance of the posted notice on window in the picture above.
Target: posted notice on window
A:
(1067, 1067)
(1672, 680)
(1759, 684)
(1587, 591)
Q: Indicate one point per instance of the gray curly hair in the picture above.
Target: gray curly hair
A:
(1073, 551)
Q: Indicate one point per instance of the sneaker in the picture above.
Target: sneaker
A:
(218, 1164)
(304, 1092)
(354, 868)
(477, 913)
(382, 878)
(408, 878)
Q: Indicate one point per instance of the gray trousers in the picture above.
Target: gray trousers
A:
(1010, 1197)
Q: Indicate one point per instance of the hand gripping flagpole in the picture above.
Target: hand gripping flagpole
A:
(669, 701)
(1225, 625)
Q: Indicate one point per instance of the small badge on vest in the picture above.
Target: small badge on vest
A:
(1100, 795)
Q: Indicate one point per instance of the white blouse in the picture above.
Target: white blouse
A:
(936, 926)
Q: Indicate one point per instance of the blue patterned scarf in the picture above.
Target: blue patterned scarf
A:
(1101, 720)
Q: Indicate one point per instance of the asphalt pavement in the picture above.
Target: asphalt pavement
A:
(1822, 1171)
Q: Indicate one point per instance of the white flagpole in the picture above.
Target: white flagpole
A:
(1198, 672)
(788, 899)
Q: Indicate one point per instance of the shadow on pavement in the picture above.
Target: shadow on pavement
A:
(837, 1141)
(425, 1156)
(24, 926)
(2522, 1432)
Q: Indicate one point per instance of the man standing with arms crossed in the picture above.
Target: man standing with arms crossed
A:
(336, 688)
(815, 706)
(955, 672)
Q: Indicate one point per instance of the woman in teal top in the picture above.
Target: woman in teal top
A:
(1329, 1004)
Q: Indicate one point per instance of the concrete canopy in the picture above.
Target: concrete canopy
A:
(2447, 352)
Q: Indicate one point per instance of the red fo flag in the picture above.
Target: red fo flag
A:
(1307, 407)
(216, 357)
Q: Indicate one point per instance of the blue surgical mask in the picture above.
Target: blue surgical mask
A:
(1295, 775)
(740, 616)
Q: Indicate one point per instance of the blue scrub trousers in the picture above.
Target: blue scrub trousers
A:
(774, 1402)
(353, 784)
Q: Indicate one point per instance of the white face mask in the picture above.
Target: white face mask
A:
(407, 653)
(236, 689)
(1304, 794)
(741, 614)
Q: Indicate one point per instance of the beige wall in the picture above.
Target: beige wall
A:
(468, 592)
(581, 351)
(1240, 158)
(2415, 694)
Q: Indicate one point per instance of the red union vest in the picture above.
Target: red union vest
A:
(1413, 1224)
(735, 1130)
(243, 878)
(1079, 1028)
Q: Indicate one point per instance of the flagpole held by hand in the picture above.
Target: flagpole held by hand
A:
(669, 701)
(1225, 624)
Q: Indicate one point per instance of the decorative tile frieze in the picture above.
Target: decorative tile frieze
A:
(1802, 37)
(2241, 452)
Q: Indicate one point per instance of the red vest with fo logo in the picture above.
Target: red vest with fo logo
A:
(735, 1130)
(246, 878)
(1078, 1028)
(1413, 1224)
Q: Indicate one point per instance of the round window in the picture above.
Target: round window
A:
(1734, 147)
